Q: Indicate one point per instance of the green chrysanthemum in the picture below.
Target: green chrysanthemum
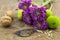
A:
(20, 14)
(53, 22)
(48, 13)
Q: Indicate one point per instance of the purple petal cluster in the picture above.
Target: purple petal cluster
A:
(40, 26)
(42, 16)
(23, 4)
(34, 12)
(33, 15)
(26, 17)
(38, 16)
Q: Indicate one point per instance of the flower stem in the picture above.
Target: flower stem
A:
(47, 2)
(51, 7)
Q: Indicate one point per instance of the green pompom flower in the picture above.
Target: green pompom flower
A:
(48, 13)
(53, 22)
(20, 14)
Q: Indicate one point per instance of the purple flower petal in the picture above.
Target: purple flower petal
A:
(40, 26)
(42, 16)
(26, 17)
(23, 4)
(34, 12)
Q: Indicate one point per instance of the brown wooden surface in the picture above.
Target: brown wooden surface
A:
(8, 33)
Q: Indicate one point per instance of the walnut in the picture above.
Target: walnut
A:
(10, 14)
(6, 21)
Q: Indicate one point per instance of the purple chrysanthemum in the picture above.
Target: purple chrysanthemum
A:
(23, 4)
(26, 17)
(38, 13)
(40, 26)
(38, 16)
(34, 12)
(42, 16)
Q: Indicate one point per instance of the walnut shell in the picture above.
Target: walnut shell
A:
(10, 14)
(6, 21)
